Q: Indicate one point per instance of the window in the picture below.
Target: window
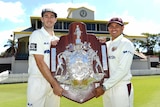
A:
(66, 25)
(39, 24)
(90, 26)
(101, 27)
(58, 25)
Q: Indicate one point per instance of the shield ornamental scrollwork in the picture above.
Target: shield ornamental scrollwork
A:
(79, 63)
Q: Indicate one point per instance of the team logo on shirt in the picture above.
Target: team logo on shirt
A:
(128, 52)
(111, 57)
(114, 48)
(30, 104)
(33, 47)
(46, 43)
(47, 51)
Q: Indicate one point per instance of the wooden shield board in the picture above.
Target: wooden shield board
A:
(70, 38)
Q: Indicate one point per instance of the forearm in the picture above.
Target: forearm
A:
(114, 79)
(44, 69)
(121, 70)
(47, 73)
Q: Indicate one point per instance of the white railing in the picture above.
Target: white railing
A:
(13, 78)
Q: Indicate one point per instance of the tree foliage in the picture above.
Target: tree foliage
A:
(12, 48)
(151, 41)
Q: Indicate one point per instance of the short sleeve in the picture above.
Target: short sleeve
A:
(36, 43)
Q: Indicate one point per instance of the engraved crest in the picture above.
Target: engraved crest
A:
(114, 48)
(78, 64)
(79, 60)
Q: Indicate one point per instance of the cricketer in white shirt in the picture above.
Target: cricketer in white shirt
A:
(39, 90)
(120, 56)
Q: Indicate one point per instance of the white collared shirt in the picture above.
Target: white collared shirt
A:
(120, 56)
(39, 43)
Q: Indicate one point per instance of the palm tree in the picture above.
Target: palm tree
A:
(12, 47)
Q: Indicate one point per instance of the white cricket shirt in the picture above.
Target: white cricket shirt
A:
(39, 43)
(120, 56)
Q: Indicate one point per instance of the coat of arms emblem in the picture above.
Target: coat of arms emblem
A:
(79, 63)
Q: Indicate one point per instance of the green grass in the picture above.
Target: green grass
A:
(146, 91)
(146, 94)
(13, 95)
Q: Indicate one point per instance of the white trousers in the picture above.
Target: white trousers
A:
(119, 96)
(40, 93)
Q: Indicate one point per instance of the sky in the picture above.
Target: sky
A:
(142, 15)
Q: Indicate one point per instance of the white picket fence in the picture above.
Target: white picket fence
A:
(5, 77)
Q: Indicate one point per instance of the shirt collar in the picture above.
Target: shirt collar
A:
(118, 38)
(45, 32)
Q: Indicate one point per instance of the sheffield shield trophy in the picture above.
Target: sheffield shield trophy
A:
(79, 63)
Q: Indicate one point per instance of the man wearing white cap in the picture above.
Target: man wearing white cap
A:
(117, 90)
(43, 90)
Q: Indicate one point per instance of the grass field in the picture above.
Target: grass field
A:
(146, 89)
